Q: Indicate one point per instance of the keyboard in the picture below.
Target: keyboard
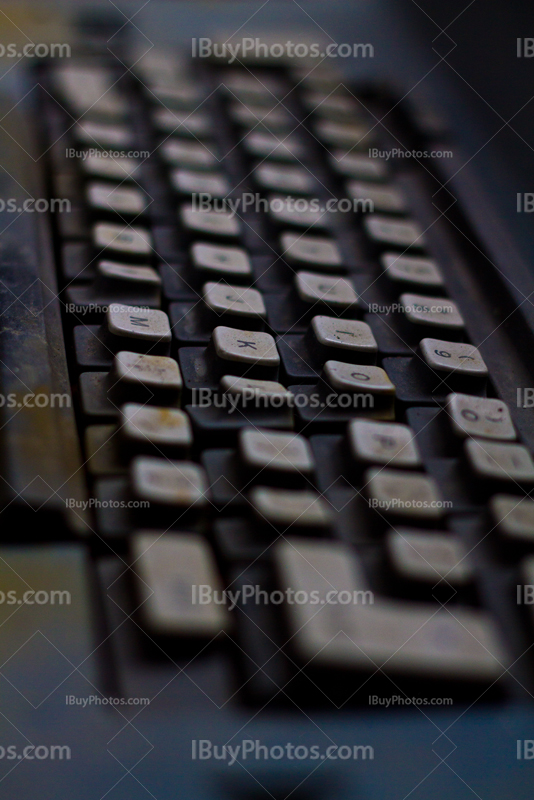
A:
(289, 472)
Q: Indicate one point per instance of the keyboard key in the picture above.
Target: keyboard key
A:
(248, 348)
(251, 116)
(185, 181)
(357, 165)
(185, 123)
(227, 261)
(386, 199)
(163, 427)
(211, 223)
(482, 417)
(267, 145)
(194, 155)
(332, 106)
(358, 378)
(103, 134)
(129, 241)
(421, 272)
(428, 557)
(154, 372)
(500, 462)
(131, 322)
(283, 508)
(403, 494)
(119, 199)
(295, 180)
(432, 312)
(383, 443)
(399, 637)
(289, 211)
(128, 273)
(344, 134)
(514, 518)
(267, 450)
(350, 339)
(386, 232)
(169, 483)
(89, 89)
(463, 359)
(245, 304)
(118, 168)
(264, 391)
(185, 96)
(303, 250)
(334, 292)
(169, 568)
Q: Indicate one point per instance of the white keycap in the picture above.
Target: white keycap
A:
(434, 312)
(245, 347)
(89, 89)
(120, 199)
(154, 372)
(295, 180)
(386, 199)
(251, 116)
(236, 80)
(183, 123)
(113, 271)
(412, 269)
(304, 250)
(463, 359)
(358, 165)
(338, 293)
(118, 168)
(169, 483)
(130, 240)
(224, 299)
(228, 261)
(506, 462)
(285, 507)
(428, 556)
(103, 134)
(344, 134)
(284, 452)
(403, 494)
(169, 569)
(395, 233)
(514, 517)
(188, 154)
(186, 181)
(183, 97)
(349, 335)
(268, 145)
(139, 323)
(288, 210)
(358, 378)
(165, 427)
(332, 106)
(392, 444)
(482, 417)
(370, 633)
(214, 223)
(264, 391)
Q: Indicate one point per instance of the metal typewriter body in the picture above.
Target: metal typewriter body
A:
(97, 644)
